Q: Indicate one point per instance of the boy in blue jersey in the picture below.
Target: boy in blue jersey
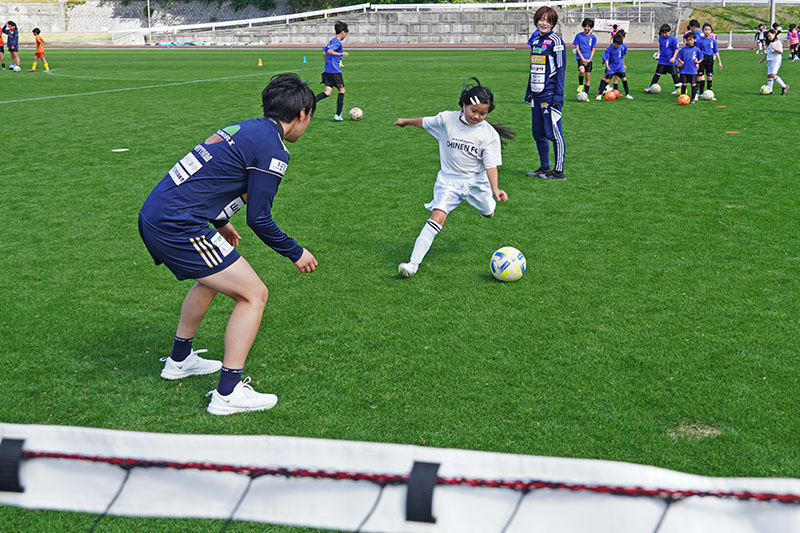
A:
(667, 51)
(689, 58)
(707, 45)
(585, 44)
(760, 32)
(10, 29)
(244, 162)
(545, 93)
(614, 60)
(332, 76)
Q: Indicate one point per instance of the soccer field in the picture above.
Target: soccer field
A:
(657, 322)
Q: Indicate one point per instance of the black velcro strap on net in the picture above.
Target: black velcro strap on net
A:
(419, 500)
(10, 457)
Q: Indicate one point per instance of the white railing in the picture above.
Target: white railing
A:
(263, 20)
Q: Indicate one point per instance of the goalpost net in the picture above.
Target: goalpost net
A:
(372, 487)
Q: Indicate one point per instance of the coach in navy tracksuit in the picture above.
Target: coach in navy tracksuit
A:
(545, 92)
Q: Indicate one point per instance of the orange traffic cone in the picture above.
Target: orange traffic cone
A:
(260, 64)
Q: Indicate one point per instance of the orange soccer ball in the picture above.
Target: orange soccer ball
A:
(610, 96)
(616, 93)
(684, 99)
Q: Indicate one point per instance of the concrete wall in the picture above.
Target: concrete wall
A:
(48, 17)
(388, 28)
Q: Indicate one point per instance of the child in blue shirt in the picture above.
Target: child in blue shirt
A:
(689, 58)
(585, 44)
(707, 45)
(332, 76)
(667, 51)
(614, 60)
(10, 29)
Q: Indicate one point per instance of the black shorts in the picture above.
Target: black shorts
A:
(2, 49)
(620, 75)
(333, 79)
(666, 69)
(13, 48)
(588, 66)
(689, 79)
(706, 66)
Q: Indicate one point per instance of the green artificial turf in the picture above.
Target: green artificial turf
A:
(657, 322)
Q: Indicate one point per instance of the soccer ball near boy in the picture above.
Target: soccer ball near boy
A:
(765, 90)
(684, 99)
(655, 88)
(508, 264)
(708, 94)
(583, 97)
(356, 113)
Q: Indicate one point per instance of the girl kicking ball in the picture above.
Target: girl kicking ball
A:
(469, 152)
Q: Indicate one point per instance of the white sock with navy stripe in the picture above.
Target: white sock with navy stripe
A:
(429, 232)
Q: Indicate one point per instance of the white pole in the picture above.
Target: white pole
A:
(730, 41)
(149, 31)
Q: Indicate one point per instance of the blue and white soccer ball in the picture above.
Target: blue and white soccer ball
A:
(656, 55)
(508, 264)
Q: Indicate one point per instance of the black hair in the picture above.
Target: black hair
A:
(690, 35)
(774, 35)
(694, 23)
(587, 22)
(285, 96)
(709, 25)
(664, 29)
(11, 23)
(614, 27)
(36, 31)
(619, 37)
(340, 27)
(474, 94)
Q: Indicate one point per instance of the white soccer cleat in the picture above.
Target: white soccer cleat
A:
(629, 97)
(193, 365)
(599, 97)
(243, 399)
(407, 269)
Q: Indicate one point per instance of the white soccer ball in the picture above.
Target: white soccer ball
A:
(656, 55)
(16, 68)
(655, 88)
(582, 97)
(708, 94)
(356, 113)
(508, 264)
(765, 90)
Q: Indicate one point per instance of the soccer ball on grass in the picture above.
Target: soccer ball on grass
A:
(655, 88)
(708, 94)
(508, 264)
(583, 97)
(684, 99)
(15, 68)
(356, 113)
(765, 90)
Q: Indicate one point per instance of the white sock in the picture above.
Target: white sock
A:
(425, 240)
(780, 81)
(770, 83)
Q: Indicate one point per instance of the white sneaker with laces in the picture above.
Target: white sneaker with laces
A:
(243, 399)
(629, 97)
(407, 270)
(193, 365)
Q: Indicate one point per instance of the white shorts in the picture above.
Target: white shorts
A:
(774, 66)
(449, 191)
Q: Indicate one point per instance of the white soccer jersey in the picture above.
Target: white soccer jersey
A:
(464, 150)
(774, 51)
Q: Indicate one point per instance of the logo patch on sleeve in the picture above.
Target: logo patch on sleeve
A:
(276, 165)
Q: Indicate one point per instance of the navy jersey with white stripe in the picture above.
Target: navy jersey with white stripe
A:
(548, 58)
(245, 161)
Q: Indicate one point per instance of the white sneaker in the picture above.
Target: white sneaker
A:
(599, 97)
(243, 399)
(629, 97)
(407, 269)
(193, 365)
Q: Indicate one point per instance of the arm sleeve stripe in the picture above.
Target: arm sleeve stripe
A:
(265, 171)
